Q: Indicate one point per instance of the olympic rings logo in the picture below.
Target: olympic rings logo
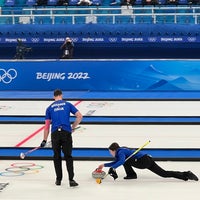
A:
(152, 39)
(7, 76)
(113, 39)
(75, 39)
(20, 169)
(191, 39)
(35, 40)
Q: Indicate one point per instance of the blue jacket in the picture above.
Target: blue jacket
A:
(59, 114)
(121, 155)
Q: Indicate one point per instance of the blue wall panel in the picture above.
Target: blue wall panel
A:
(101, 75)
(104, 41)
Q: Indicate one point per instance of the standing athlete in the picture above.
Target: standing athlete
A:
(140, 161)
(58, 115)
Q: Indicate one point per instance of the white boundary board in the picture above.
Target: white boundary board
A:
(101, 136)
(106, 108)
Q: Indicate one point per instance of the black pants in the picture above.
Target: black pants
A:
(147, 162)
(62, 140)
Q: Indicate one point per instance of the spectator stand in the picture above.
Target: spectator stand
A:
(9, 3)
(103, 14)
(31, 3)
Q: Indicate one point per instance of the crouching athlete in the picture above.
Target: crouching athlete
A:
(140, 161)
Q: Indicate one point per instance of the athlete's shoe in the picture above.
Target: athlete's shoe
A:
(131, 177)
(73, 183)
(192, 176)
(58, 182)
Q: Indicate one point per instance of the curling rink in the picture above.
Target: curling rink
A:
(34, 179)
(41, 185)
(106, 108)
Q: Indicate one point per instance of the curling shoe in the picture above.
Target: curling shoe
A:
(73, 183)
(130, 177)
(58, 182)
(192, 176)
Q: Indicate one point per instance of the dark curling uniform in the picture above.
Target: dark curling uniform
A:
(144, 161)
(59, 114)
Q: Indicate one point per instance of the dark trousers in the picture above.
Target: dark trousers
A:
(62, 141)
(147, 162)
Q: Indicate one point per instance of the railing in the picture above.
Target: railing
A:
(103, 15)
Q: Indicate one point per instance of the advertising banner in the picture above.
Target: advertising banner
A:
(103, 40)
(101, 75)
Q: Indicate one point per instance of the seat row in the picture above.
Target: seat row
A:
(49, 2)
(103, 20)
(102, 33)
(100, 2)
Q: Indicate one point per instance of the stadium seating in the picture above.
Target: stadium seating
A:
(73, 2)
(1, 2)
(9, 3)
(144, 19)
(80, 20)
(31, 2)
(5, 20)
(161, 2)
(183, 2)
(63, 20)
(114, 25)
(42, 20)
(21, 3)
(52, 2)
(185, 20)
(138, 2)
(104, 19)
(96, 2)
(81, 14)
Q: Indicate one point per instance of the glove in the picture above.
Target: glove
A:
(98, 170)
(43, 143)
(112, 172)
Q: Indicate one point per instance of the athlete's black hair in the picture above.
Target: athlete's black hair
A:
(114, 146)
(57, 92)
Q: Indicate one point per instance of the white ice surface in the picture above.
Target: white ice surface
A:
(148, 186)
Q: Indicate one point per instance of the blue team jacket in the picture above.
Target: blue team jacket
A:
(121, 155)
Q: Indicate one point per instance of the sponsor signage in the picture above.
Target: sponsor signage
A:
(35, 40)
(104, 75)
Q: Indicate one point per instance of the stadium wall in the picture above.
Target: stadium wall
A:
(104, 41)
(100, 75)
